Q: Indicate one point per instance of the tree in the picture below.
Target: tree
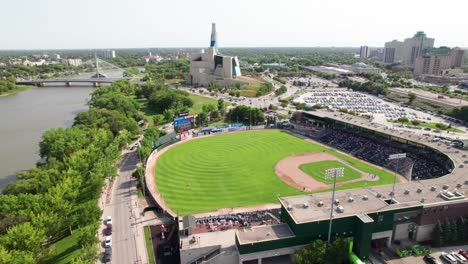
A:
(208, 108)
(158, 119)
(221, 107)
(169, 99)
(338, 251)
(16, 256)
(311, 254)
(88, 236)
(415, 122)
(214, 115)
(23, 237)
(202, 118)
(411, 97)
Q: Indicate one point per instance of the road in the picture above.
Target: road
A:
(128, 244)
(258, 102)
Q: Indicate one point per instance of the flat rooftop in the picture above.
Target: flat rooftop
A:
(316, 207)
(263, 233)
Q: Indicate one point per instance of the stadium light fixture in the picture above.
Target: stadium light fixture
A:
(332, 173)
(396, 157)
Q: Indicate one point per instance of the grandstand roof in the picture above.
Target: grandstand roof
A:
(307, 208)
(423, 192)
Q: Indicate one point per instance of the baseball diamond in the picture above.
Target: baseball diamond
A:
(240, 169)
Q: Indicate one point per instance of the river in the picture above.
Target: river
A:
(26, 115)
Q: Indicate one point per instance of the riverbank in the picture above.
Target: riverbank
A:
(19, 88)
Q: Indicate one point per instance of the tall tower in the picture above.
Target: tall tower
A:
(213, 35)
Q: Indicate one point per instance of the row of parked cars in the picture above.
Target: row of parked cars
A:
(108, 240)
(452, 258)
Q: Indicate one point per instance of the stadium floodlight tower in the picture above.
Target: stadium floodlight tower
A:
(332, 173)
(396, 157)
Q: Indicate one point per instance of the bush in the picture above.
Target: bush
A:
(281, 90)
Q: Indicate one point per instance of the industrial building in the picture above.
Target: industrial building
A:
(212, 67)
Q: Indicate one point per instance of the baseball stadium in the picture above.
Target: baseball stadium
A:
(286, 174)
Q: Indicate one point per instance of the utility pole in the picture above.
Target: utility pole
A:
(396, 157)
(332, 173)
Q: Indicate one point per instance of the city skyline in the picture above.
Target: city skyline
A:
(51, 24)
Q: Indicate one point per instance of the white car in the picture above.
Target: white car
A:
(460, 258)
(449, 258)
(109, 220)
(108, 241)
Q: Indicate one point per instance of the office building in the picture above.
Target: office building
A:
(376, 53)
(364, 52)
(433, 61)
(457, 57)
(413, 47)
(208, 67)
(393, 52)
(406, 52)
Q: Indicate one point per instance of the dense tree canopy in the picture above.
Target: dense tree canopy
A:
(246, 115)
(61, 194)
(169, 99)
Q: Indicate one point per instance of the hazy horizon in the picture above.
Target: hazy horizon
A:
(119, 24)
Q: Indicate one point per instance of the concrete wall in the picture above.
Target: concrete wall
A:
(424, 233)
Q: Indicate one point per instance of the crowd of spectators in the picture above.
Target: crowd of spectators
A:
(230, 221)
(372, 148)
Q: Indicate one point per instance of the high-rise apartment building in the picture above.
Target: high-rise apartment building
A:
(413, 47)
(364, 52)
(406, 52)
(458, 57)
(433, 61)
(109, 54)
(393, 52)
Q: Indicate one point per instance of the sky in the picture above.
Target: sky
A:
(88, 24)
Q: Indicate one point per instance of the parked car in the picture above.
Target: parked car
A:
(109, 220)
(108, 254)
(108, 241)
(448, 258)
(431, 260)
(459, 257)
(463, 253)
(108, 230)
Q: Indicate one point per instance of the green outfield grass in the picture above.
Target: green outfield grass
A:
(317, 171)
(236, 169)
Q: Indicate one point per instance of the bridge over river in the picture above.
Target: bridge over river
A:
(96, 80)
(69, 82)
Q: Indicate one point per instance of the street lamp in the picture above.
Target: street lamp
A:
(396, 157)
(332, 173)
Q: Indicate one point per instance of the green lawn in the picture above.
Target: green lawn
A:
(199, 101)
(317, 171)
(237, 169)
(65, 250)
(149, 247)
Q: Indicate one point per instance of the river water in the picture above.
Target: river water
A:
(26, 115)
